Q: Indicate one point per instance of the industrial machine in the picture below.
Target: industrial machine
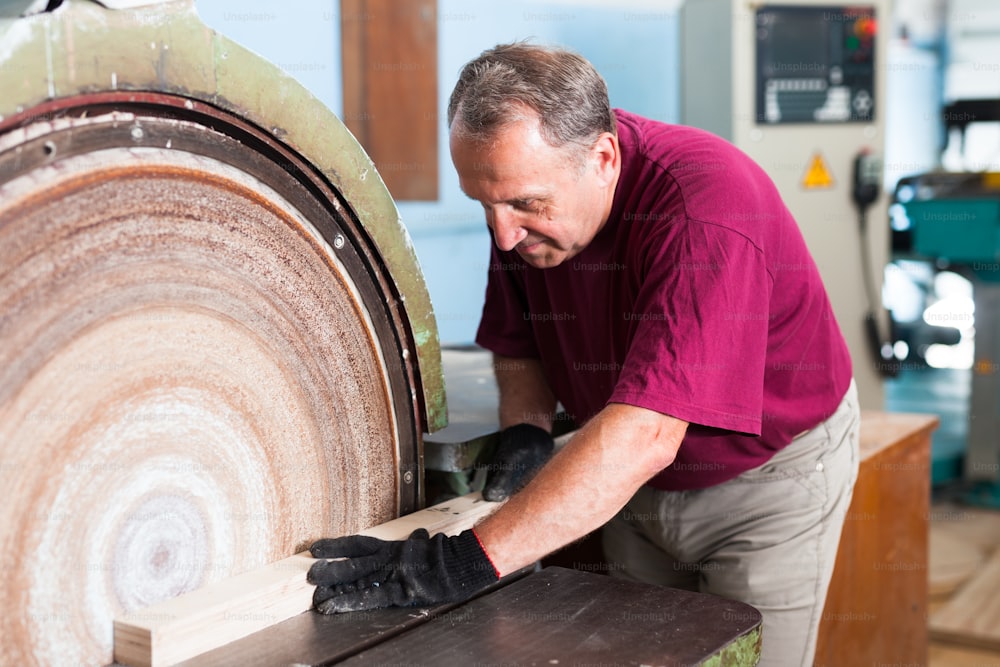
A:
(953, 220)
(799, 86)
(216, 346)
(215, 341)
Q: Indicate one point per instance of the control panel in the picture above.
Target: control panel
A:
(815, 64)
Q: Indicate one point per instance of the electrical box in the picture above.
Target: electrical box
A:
(815, 64)
(799, 86)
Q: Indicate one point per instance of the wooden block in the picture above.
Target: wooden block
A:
(951, 655)
(975, 525)
(204, 619)
(972, 616)
(953, 561)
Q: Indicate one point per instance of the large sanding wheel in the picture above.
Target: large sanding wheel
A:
(199, 371)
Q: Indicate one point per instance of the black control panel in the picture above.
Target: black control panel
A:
(815, 64)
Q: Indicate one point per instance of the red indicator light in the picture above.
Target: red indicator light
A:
(865, 28)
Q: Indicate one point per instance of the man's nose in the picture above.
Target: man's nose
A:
(507, 230)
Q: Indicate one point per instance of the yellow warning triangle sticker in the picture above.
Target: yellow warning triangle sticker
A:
(817, 175)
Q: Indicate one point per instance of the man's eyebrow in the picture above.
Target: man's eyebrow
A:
(520, 199)
(528, 197)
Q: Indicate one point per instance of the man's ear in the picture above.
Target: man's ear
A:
(606, 157)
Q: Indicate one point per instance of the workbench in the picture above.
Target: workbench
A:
(552, 616)
(539, 616)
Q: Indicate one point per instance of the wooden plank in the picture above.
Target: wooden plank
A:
(950, 655)
(309, 638)
(204, 619)
(975, 525)
(953, 561)
(972, 616)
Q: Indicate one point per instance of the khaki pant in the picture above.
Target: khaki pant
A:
(767, 538)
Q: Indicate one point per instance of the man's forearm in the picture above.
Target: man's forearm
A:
(583, 486)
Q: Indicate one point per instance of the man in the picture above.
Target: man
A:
(648, 278)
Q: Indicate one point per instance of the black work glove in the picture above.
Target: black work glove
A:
(521, 452)
(420, 570)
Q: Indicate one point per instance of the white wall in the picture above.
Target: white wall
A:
(301, 37)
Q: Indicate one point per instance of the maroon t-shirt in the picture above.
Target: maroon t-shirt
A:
(698, 299)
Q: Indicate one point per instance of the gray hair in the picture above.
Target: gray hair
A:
(569, 96)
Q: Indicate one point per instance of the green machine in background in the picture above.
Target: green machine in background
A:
(953, 219)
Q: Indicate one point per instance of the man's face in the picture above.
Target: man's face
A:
(538, 201)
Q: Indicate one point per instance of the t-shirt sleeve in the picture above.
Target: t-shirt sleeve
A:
(697, 349)
(504, 327)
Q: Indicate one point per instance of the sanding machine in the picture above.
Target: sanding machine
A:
(216, 345)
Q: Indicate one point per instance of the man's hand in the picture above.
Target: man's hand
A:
(420, 570)
(523, 449)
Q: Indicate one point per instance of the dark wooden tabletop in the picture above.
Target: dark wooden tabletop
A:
(553, 616)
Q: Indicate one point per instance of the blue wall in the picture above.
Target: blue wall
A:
(633, 43)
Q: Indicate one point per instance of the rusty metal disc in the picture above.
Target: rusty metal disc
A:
(199, 369)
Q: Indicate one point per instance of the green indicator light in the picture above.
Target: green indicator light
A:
(853, 42)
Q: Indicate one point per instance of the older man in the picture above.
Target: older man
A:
(649, 278)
